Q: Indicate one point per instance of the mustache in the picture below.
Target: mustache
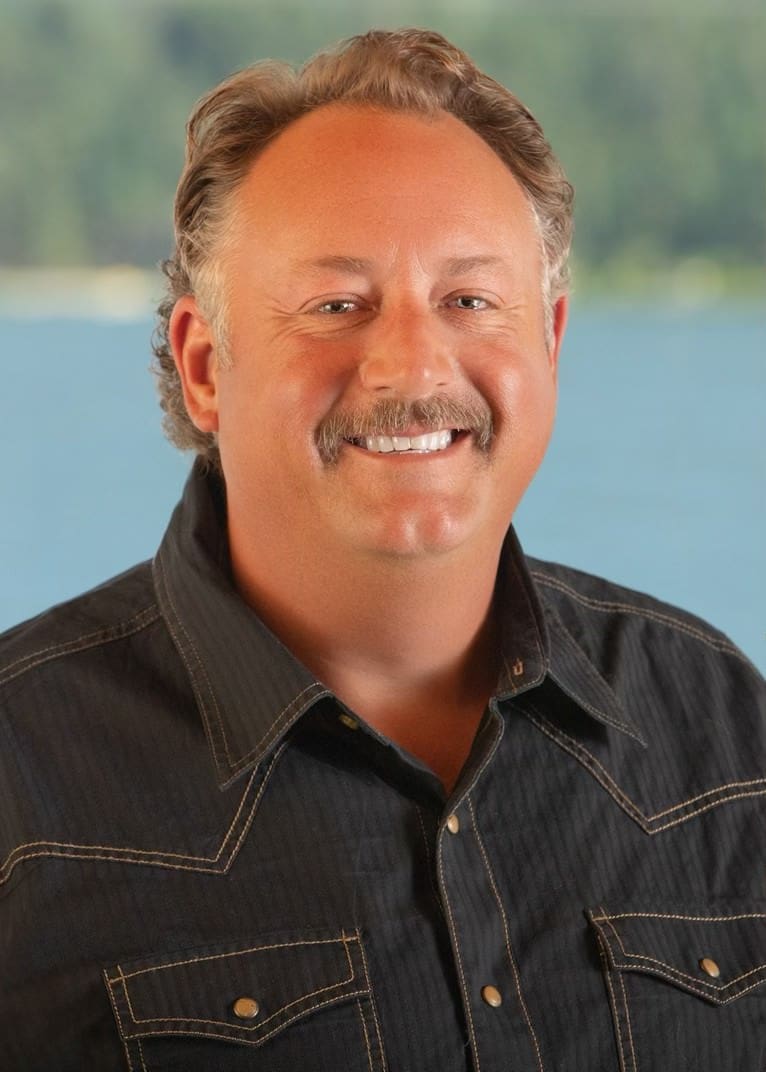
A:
(388, 416)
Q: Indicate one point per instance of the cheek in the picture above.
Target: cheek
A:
(521, 389)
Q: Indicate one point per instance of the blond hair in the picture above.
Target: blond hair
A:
(408, 70)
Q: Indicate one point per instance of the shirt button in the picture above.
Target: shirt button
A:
(349, 722)
(453, 823)
(246, 1008)
(710, 967)
(492, 996)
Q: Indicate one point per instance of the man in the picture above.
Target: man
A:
(341, 780)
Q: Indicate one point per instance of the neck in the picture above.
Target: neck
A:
(403, 642)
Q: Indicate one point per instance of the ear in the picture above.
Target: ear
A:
(560, 314)
(193, 346)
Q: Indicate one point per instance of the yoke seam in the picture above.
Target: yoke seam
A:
(127, 627)
(648, 823)
(606, 606)
(148, 857)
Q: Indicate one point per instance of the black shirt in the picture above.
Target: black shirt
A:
(210, 864)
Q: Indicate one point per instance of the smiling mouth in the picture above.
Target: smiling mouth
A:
(428, 443)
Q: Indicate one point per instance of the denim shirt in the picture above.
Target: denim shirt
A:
(209, 863)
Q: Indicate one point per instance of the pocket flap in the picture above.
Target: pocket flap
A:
(716, 956)
(245, 993)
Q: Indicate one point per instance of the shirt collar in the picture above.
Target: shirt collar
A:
(536, 644)
(250, 689)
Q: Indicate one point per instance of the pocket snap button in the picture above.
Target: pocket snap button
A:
(710, 967)
(246, 1008)
(453, 824)
(492, 996)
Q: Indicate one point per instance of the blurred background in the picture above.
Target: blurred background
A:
(655, 477)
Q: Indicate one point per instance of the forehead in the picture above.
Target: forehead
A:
(356, 179)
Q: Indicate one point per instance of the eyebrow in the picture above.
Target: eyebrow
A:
(453, 266)
(337, 263)
(462, 265)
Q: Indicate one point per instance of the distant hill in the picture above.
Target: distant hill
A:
(660, 121)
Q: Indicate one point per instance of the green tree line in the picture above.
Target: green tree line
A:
(660, 120)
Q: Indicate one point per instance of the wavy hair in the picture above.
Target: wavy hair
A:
(410, 70)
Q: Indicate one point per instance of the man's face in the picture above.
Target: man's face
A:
(381, 260)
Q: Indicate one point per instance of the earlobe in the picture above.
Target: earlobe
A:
(193, 347)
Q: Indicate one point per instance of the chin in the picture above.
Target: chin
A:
(414, 535)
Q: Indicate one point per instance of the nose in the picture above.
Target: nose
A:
(406, 352)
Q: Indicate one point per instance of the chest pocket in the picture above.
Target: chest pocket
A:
(686, 989)
(279, 1004)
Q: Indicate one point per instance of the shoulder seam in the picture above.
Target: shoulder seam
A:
(605, 606)
(134, 624)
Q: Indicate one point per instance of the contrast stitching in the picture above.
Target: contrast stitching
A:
(249, 820)
(600, 714)
(453, 929)
(530, 610)
(694, 989)
(138, 1041)
(670, 915)
(508, 948)
(459, 962)
(372, 998)
(236, 1031)
(577, 750)
(120, 859)
(254, 1028)
(624, 1000)
(647, 823)
(674, 807)
(708, 807)
(627, 1023)
(366, 1036)
(666, 619)
(676, 971)
(613, 1003)
(118, 631)
(233, 953)
(284, 716)
(469, 788)
(116, 1011)
(276, 726)
(708, 793)
(162, 580)
(127, 854)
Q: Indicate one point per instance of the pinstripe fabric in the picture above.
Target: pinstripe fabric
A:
(190, 818)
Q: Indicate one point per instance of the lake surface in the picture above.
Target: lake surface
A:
(655, 477)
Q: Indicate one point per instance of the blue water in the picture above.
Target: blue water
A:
(655, 477)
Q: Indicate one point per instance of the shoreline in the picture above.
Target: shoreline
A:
(125, 293)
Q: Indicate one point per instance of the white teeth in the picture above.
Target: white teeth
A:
(381, 444)
(422, 443)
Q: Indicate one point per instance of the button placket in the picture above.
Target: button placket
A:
(497, 1028)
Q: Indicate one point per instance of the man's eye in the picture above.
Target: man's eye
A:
(469, 301)
(338, 305)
